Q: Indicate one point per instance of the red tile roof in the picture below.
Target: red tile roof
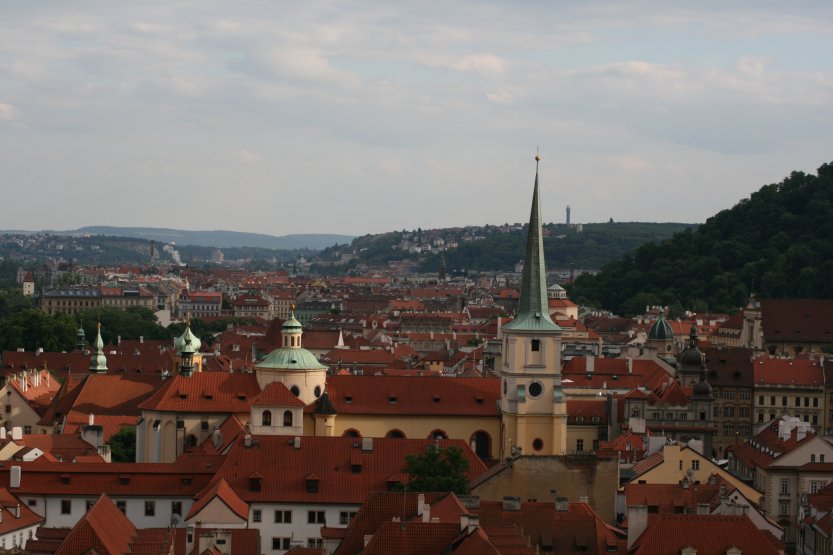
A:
(9, 505)
(97, 478)
(708, 534)
(414, 395)
(781, 371)
(276, 395)
(797, 320)
(206, 392)
(219, 489)
(347, 474)
(104, 529)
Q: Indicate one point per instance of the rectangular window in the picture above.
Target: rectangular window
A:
(821, 457)
(579, 445)
(256, 515)
(27, 430)
(315, 517)
(744, 411)
(176, 508)
(772, 400)
(122, 506)
(812, 457)
(784, 401)
(728, 412)
(785, 486)
(683, 416)
(816, 485)
(815, 402)
(695, 464)
(315, 543)
(784, 509)
(66, 506)
(204, 425)
(280, 544)
(283, 517)
(90, 503)
(806, 402)
(760, 399)
(728, 431)
(150, 508)
(798, 401)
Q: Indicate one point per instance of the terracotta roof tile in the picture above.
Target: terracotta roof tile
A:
(209, 392)
(708, 534)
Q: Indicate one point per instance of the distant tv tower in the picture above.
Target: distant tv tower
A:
(568, 214)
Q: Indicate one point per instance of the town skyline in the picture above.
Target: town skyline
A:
(359, 119)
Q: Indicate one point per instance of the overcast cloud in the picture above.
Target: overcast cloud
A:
(363, 117)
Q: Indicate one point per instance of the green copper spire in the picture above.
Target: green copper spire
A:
(533, 308)
(98, 362)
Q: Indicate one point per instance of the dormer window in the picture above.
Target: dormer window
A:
(312, 483)
(255, 482)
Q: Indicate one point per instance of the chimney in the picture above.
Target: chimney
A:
(637, 522)
(367, 444)
(141, 339)
(15, 476)
(469, 523)
(630, 365)
(91, 419)
(367, 538)
(426, 513)
(296, 443)
(561, 505)
(703, 508)
(589, 363)
(420, 503)
(2, 432)
(217, 438)
(17, 433)
(247, 440)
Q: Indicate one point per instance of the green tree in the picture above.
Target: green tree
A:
(123, 445)
(438, 469)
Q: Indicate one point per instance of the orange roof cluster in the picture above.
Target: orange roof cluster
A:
(343, 469)
(708, 534)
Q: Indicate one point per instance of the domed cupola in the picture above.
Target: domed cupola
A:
(292, 365)
(691, 362)
(186, 346)
(661, 330)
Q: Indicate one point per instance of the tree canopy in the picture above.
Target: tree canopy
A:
(438, 469)
(777, 243)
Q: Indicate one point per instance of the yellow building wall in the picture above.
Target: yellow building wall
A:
(412, 427)
(676, 464)
(587, 434)
(522, 431)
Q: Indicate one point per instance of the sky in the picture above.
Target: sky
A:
(365, 117)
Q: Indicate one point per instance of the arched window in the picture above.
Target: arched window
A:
(190, 441)
(536, 345)
(437, 434)
(295, 390)
(287, 418)
(351, 433)
(266, 418)
(395, 434)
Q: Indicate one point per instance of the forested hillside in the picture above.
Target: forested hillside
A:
(778, 243)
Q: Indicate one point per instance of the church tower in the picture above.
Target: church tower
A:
(532, 404)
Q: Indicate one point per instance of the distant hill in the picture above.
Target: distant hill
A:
(495, 248)
(778, 243)
(217, 238)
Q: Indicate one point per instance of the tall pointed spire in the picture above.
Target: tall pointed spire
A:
(98, 362)
(533, 307)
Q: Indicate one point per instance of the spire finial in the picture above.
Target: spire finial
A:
(537, 155)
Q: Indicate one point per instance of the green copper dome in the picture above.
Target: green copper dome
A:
(291, 358)
(187, 342)
(661, 330)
